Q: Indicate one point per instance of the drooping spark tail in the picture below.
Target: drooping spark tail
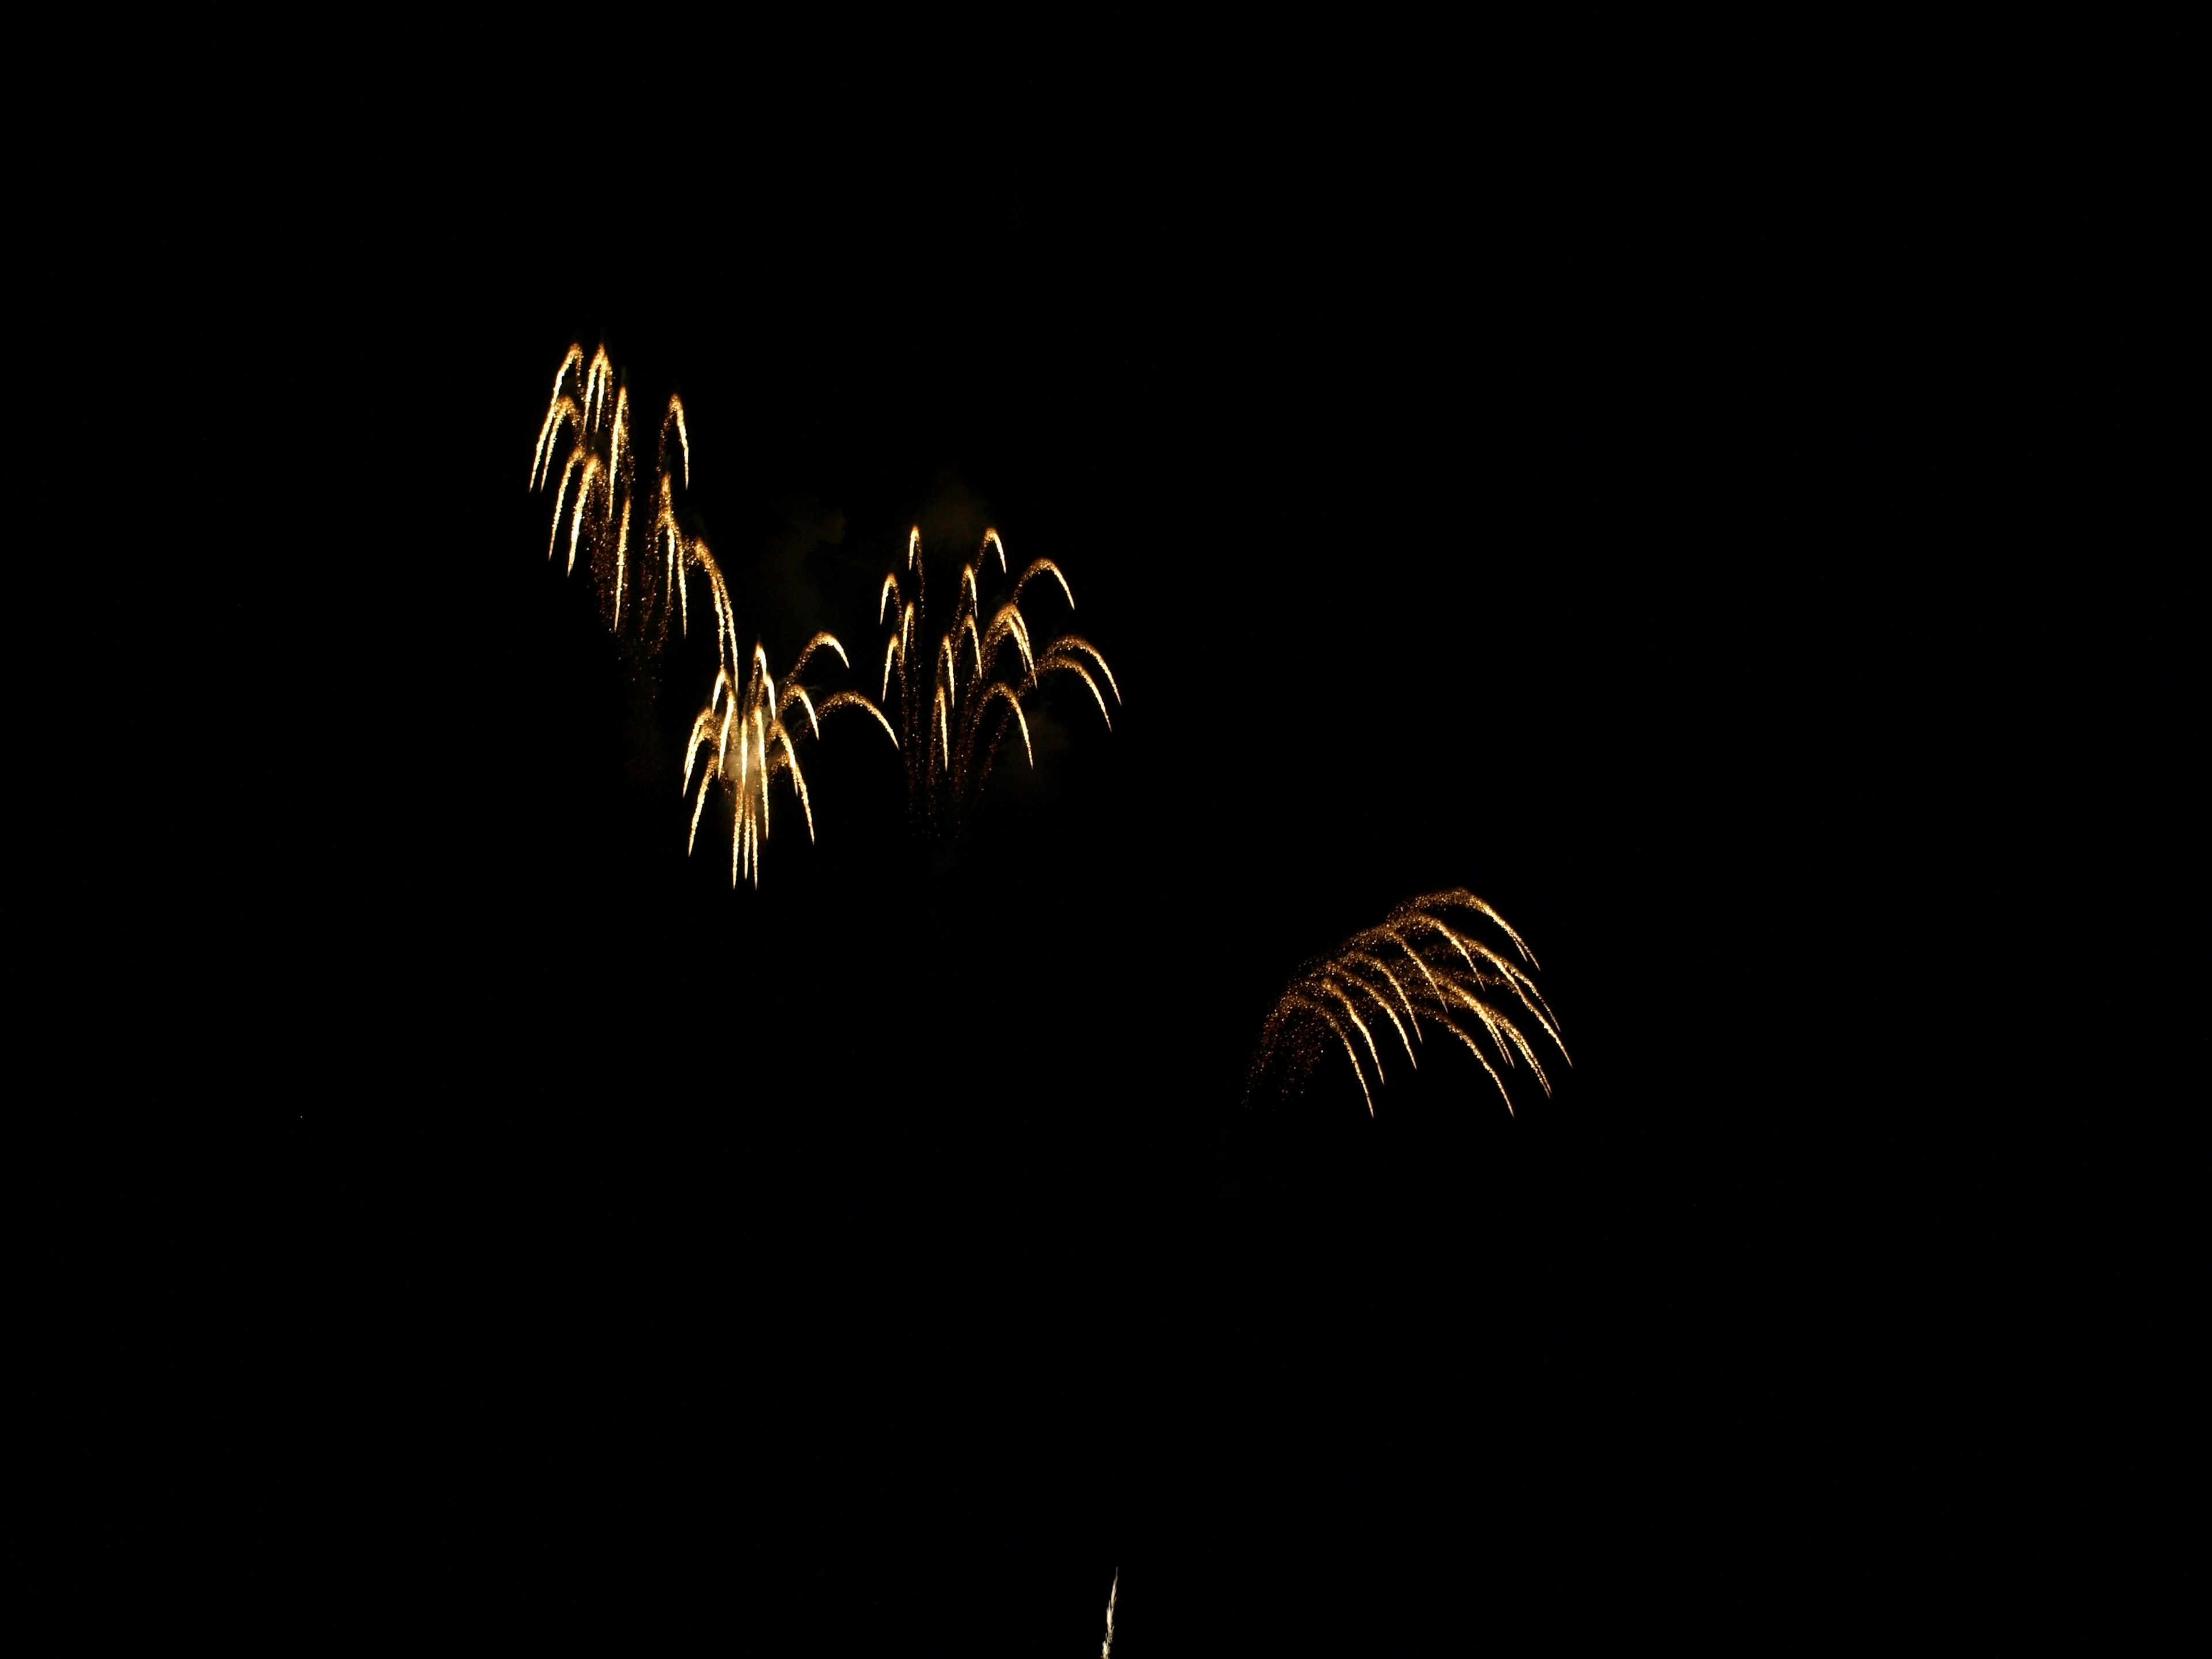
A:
(1427, 960)
(1107, 1650)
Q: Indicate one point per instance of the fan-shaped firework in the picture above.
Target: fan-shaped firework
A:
(595, 494)
(743, 731)
(954, 705)
(1425, 962)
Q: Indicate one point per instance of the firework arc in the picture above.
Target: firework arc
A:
(754, 720)
(957, 698)
(1427, 960)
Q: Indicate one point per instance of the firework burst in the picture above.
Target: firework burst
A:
(1427, 961)
(597, 512)
(955, 703)
(749, 731)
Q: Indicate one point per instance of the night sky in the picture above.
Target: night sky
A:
(578, 1251)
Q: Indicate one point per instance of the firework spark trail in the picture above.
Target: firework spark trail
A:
(1107, 1650)
(1425, 959)
(751, 728)
(954, 703)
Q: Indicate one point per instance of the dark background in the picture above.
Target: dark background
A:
(1570, 495)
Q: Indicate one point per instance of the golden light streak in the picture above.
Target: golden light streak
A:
(622, 563)
(1307, 1003)
(562, 410)
(950, 731)
(1384, 1004)
(798, 693)
(819, 642)
(854, 700)
(1076, 642)
(583, 495)
(683, 434)
(696, 812)
(1014, 703)
(1331, 989)
(1082, 673)
(1459, 974)
(1048, 566)
(576, 357)
(1383, 969)
(1107, 1650)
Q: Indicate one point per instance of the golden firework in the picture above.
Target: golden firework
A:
(595, 505)
(1427, 961)
(954, 702)
(749, 731)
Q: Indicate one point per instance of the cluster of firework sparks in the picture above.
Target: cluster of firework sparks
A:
(595, 495)
(955, 695)
(959, 689)
(954, 718)
(1426, 959)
